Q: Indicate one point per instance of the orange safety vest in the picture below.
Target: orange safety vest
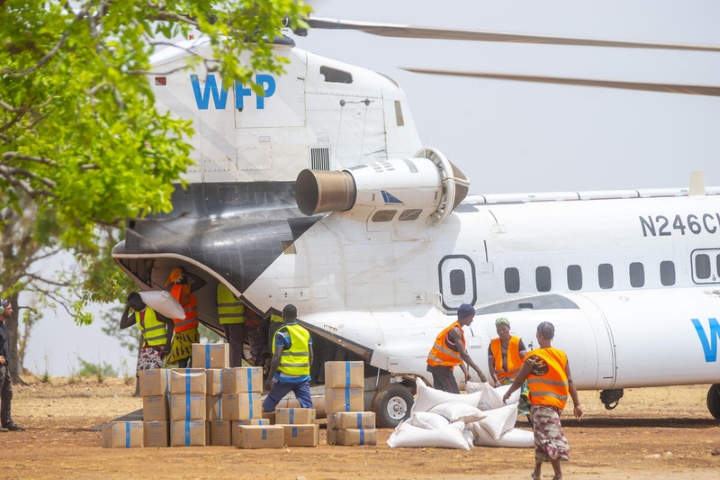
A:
(514, 362)
(551, 389)
(440, 354)
(190, 320)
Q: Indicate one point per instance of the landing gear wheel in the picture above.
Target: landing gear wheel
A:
(713, 400)
(391, 405)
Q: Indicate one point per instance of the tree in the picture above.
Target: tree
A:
(82, 146)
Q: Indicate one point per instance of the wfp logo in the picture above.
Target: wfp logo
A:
(219, 95)
(709, 342)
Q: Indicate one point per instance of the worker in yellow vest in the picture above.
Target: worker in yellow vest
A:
(291, 360)
(156, 331)
(548, 374)
(449, 350)
(231, 314)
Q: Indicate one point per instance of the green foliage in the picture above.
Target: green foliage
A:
(82, 145)
(100, 371)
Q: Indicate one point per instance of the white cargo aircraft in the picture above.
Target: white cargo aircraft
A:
(320, 194)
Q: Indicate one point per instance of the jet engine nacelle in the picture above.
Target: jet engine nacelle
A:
(427, 182)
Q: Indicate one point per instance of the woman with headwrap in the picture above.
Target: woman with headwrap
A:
(185, 329)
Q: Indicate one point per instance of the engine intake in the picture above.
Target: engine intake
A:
(428, 181)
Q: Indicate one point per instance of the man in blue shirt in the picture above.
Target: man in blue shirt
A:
(290, 365)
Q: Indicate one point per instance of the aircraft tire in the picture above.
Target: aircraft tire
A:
(391, 405)
(713, 400)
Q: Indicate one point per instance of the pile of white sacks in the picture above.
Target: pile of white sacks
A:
(449, 420)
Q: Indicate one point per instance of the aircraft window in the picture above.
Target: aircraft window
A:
(457, 282)
(717, 261)
(384, 215)
(333, 75)
(410, 215)
(605, 276)
(398, 114)
(543, 280)
(512, 280)
(702, 266)
(574, 277)
(667, 273)
(637, 274)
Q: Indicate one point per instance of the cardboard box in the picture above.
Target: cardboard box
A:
(155, 408)
(301, 435)
(187, 381)
(242, 379)
(214, 407)
(187, 407)
(221, 433)
(241, 406)
(260, 436)
(156, 434)
(356, 436)
(332, 436)
(210, 355)
(344, 374)
(188, 434)
(344, 400)
(153, 382)
(340, 420)
(213, 378)
(294, 416)
(122, 435)
(252, 421)
(270, 417)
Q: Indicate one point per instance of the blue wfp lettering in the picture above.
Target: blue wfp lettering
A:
(219, 95)
(709, 344)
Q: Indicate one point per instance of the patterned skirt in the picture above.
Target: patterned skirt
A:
(550, 441)
(150, 358)
(182, 345)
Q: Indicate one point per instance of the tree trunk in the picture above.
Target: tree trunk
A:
(11, 323)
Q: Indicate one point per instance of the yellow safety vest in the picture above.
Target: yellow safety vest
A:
(276, 318)
(295, 360)
(230, 309)
(152, 329)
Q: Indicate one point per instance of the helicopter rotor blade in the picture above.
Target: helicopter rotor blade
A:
(708, 90)
(409, 31)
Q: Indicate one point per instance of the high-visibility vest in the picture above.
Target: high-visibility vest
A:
(552, 388)
(152, 329)
(295, 361)
(514, 362)
(190, 320)
(440, 354)
(276, 318)
(230, 309)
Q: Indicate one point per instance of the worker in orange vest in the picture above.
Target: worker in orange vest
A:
(185, 329)
(505, 358)
(548, 374)
(449, 350)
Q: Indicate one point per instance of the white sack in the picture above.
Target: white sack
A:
(491, 398)
(163, 303)
(469, 437)
(428, 397)
(500, 420)
(456, 411)
(427, 420)
(515, 438)
(406, 435)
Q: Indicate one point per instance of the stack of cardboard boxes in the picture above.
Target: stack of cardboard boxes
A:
(347, 423)
(187, 407)
(300, 429)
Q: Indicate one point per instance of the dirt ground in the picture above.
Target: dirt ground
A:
(654, 433)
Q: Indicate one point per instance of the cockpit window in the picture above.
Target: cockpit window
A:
(333, 75)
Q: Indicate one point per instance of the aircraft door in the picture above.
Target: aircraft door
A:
(457, 281)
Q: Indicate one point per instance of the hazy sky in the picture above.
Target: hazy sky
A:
(519, 137)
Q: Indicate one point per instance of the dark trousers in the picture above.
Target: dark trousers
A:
(6, 395)
(279, 390)
(235, 336)
(443, 379)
